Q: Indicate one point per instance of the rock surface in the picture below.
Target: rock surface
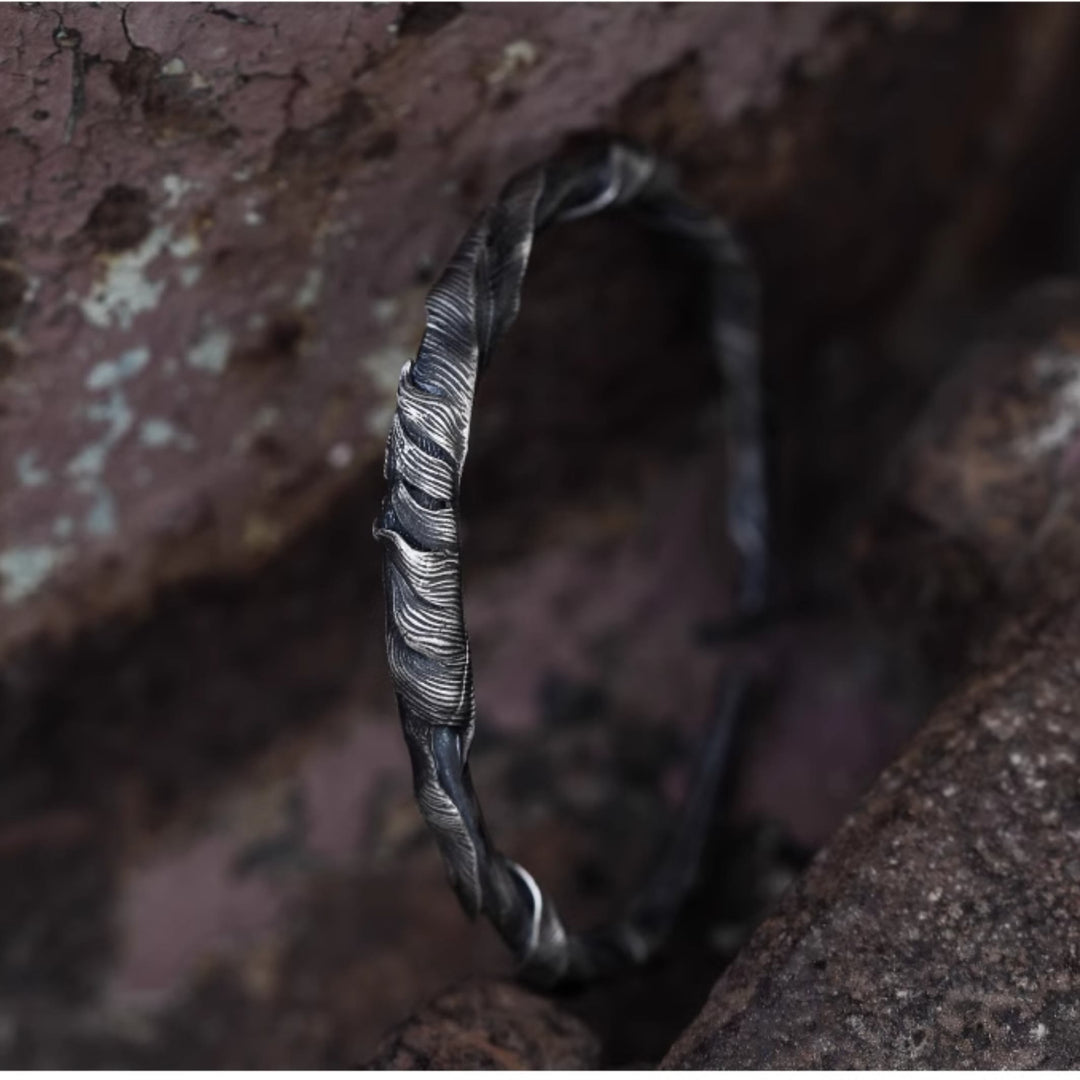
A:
(489, 1026)
(941, 927)
(217, 229)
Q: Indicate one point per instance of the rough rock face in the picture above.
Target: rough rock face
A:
(217, 227)
(489, 1026)
(941, 926)
(981, 509)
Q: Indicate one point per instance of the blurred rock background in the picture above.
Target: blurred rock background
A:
(217, 226)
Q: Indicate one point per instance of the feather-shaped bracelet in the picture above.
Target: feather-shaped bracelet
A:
(468, 310)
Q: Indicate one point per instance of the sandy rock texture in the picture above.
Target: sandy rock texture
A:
(940, 928)
(489, 1026)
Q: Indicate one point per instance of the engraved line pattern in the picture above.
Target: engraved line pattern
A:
(468, 310)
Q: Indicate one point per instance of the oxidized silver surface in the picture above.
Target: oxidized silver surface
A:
(468, 310)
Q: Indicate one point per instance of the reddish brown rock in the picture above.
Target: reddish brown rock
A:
(489, 1026)
(994, 464)
(980, 515)
(220, 224)
(941, 926)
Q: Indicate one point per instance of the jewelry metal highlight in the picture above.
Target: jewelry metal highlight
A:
(468, 310)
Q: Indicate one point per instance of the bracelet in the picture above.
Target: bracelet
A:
(468, 310)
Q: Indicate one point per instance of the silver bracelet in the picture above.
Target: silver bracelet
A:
(468, 310)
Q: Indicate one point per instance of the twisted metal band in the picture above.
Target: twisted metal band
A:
(468, 310)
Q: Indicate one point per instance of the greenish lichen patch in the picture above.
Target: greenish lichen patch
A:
(125, 290)
(175, 188)
(116, 414)
(86, 469)
(211, 352)
(185, 246)
(100, 520)
(23, 570)
(89, 461)
(157, 433)
(28, 472)
(110, 372)
(516, 57)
